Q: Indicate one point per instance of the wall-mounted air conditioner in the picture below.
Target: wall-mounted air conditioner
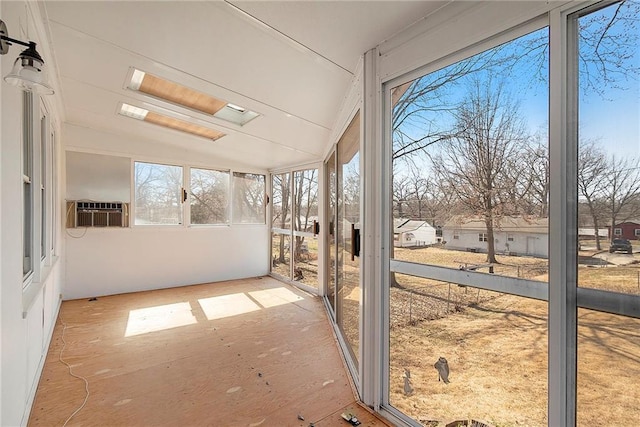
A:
(97, 214)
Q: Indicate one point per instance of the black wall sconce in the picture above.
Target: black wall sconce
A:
(27, 70)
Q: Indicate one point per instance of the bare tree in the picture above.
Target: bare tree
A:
(474, 162)
(606, 45)
(281, 209)
(417, 199)
(422, 109)
(401, 193)
(422, 103)
(621, 189)
(248, 197)
(607, 42)
(305, 204)
(158, 192)
(535, 161)
(592, 170)
(209, 191)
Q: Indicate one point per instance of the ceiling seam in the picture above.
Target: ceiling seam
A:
(279, 33)
(110, 131)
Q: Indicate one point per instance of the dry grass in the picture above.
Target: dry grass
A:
(513, 266)
(496, 346)
(306, 264)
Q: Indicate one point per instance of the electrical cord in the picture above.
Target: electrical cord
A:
(69, 209)
(86, 383)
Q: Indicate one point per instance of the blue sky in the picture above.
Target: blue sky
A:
(612, 117)
(525, 81)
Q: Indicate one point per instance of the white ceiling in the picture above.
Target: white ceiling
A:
(292, 62)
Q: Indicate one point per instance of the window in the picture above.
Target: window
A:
(467, 152)
(209, 192)
(509, 237)
(636, 232)
(294, 216)
(54, 193)
(248, 198)
(38, 183)
(27, 181)
(603, 119)
(44, 179)
(158, 194)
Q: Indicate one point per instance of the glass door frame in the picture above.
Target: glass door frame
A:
(331, 271)
(564, 297)
(292, 233)
(353, 361)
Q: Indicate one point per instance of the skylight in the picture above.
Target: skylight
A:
(175, 93)
(169, 122)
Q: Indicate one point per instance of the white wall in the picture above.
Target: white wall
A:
(98, 177)
(27, 315)
(533, 244)
(112, 261)
(426, 235)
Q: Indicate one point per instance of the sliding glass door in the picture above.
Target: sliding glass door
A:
(343, 208)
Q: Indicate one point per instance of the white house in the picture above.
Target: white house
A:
(512, 235)
(408, 233)
(590, 232)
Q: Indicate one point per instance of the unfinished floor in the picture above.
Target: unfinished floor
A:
(252, 352)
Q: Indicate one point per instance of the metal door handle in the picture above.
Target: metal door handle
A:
(355, 242)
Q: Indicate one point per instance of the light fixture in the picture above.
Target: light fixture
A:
(27, 70)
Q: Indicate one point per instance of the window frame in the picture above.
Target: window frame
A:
(39, 210)
(535, 289)
(53, 194)
(28, 179)
(386, 67)
(44, 185)
(290, 231)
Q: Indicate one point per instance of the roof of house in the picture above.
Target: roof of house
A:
(403, 226)
(629, 221)
(515, 224)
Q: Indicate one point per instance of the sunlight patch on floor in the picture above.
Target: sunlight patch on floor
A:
(227, 305)
(159, 318)
(275, 297)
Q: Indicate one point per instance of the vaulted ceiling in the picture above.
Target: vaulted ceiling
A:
(291, 62)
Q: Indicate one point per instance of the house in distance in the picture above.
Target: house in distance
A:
(408, 233)
(514, 235)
